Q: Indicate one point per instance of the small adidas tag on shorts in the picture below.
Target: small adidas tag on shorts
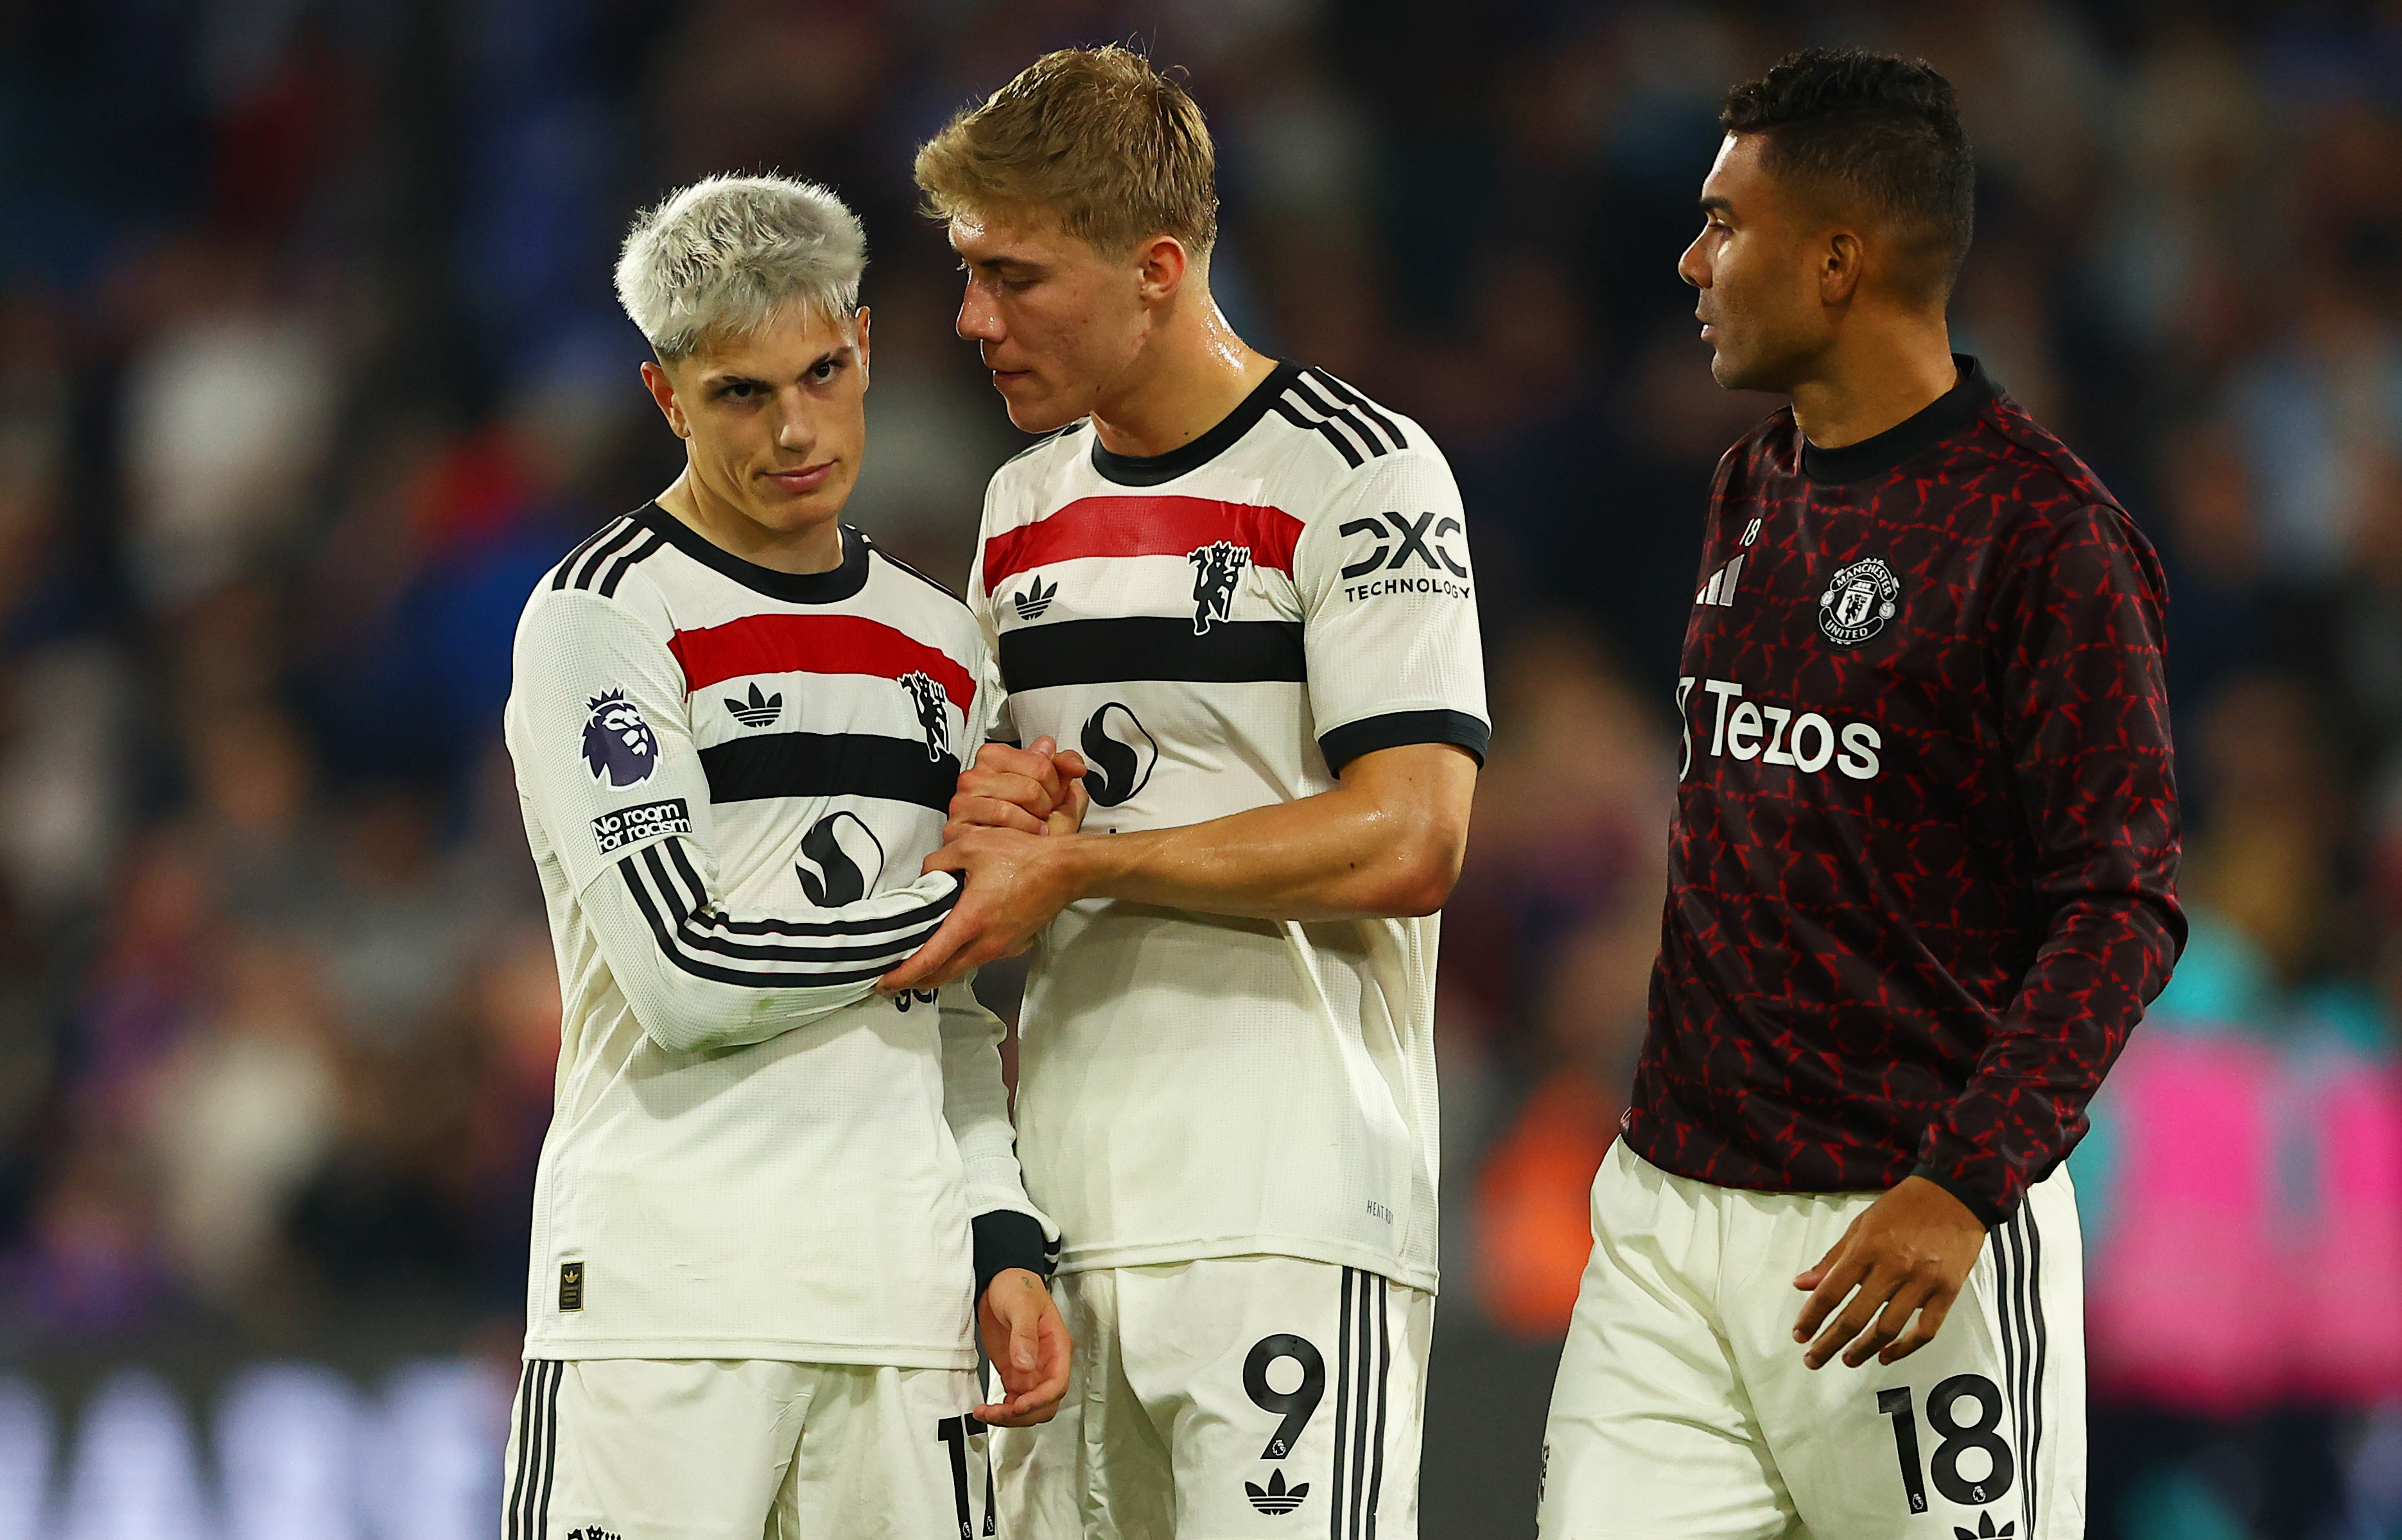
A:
(571, 1285)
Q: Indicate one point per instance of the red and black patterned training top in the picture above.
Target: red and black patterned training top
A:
(1922, 878)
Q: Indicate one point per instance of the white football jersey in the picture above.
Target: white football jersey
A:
(1219, 628)
(729, 777)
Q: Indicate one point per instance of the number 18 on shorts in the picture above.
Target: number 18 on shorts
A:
(1683, 1409)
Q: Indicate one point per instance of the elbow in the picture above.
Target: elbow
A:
(1420, 882)
(674, 1037)
(677, 1031)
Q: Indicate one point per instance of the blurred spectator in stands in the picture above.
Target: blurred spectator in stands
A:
(238, 1115)
(1553, 930)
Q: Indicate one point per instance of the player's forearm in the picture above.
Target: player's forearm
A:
(698, 978)
(2024, 1106)
(1345, 854)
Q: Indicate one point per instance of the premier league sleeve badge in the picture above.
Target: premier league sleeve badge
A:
(619, 748)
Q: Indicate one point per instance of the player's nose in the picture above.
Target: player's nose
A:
(796, 431)
(978, 320)
(1693, 268)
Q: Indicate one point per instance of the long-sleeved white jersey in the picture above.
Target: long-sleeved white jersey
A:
(1219, 629)
(729, 777)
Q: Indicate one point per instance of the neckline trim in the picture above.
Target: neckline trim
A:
(829, 587)
(1151, 470)
(1913, 436)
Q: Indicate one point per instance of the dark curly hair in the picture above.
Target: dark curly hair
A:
(1882, 129)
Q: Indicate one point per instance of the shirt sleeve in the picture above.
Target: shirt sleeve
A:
(999, 726)
(1388, 612)
(605, 759)
(1010, 1231)
(2085, 718)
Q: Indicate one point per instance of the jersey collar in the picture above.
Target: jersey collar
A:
(792, 587)
(1937, 420)
(1151, 470)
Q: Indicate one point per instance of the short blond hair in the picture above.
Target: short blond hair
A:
(717, 258)
(1096, 139)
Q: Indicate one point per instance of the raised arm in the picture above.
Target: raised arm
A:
(605, 761)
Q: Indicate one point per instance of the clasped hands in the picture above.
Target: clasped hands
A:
(1011, 836)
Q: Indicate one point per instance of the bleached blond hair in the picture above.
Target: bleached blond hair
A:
(719, 257)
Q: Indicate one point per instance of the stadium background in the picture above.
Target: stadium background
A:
(310, 365)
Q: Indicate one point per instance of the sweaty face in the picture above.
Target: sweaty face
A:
(774, 421)
(1059, 324)
(1757, 269)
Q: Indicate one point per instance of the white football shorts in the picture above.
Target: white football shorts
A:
(1250, 1396)
(632, 1448)
(1683, 1411)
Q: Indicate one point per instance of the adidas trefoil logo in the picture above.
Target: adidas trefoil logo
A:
(1985, 1529)
(1277, 1499)
(1037, 599)
(759, 711)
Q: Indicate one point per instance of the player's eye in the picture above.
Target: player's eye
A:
(739, 389)
(826, 369)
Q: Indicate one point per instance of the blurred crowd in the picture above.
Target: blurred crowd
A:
(312, 366)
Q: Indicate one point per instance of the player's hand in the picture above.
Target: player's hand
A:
(1015, 882)
(1029, 1346)
(1035, 791)
(1909, 1251)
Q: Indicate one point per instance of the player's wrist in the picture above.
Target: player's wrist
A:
(1007, 1241)
(1091, 866)
(1974, 1208)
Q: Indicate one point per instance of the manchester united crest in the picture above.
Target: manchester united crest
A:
(1859, 601)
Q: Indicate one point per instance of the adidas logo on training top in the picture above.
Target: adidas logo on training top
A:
(759, 711)
(1720, 590)
(1035, 599)
(1986, 1529)
(1275, 1498)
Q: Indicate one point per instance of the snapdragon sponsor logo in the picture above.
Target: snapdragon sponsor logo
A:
(1806, 741)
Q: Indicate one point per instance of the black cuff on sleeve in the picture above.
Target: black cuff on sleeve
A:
(1985, 1212)
(1005, 1239)
(1395, 728)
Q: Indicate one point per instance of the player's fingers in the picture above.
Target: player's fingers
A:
(982, 812)
(1835, 1279)
(1069, 817)
(1812, 1277)
(1046, 748)
(1025, 1351)
(999, 759)
(1050, 1388)
(1026, 792)
(1889, 1323)
(1071, 764)
(1854, 1319)
(957, 929)
(1922, 1331)
(989, 945)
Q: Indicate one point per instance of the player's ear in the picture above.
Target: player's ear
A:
(662, 387)
(1840, 260)
(1161, 264)
(859, 324)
